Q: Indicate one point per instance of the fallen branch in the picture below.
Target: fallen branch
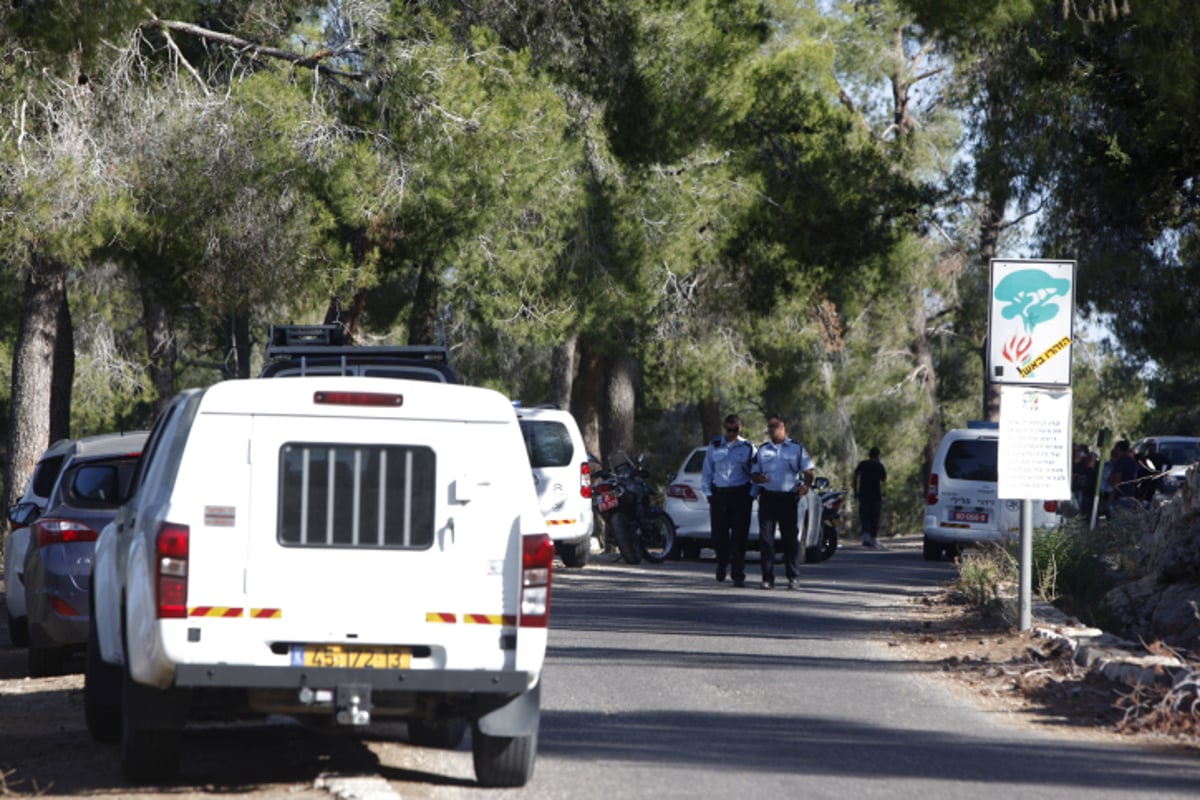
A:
(314, 61)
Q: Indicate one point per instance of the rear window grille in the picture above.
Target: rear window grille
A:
(356, 496)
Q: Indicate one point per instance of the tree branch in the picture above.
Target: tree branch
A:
(849, 103)
(1021, 218)
(183, 60)
(243, 45)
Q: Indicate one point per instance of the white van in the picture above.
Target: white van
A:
(961, 502)
(345, 548)
(563, 479)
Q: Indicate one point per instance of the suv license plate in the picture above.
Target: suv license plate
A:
(353, 657)
(968, 516)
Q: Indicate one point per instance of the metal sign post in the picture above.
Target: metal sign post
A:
(1031, 314)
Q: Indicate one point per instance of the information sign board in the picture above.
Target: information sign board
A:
(1034, 453)
(1031, 315)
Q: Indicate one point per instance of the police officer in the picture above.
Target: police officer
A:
(782, 473)
(725, 481)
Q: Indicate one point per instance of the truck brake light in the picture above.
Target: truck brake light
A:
(370, 399)
(171, 570)
(585, 481)
(537, 558)
(932, 497)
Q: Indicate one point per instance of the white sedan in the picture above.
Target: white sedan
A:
(688, 509)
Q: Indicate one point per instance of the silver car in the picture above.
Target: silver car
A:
(58, 563)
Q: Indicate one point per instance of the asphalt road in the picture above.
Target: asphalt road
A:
(660, 683)
(663, 683)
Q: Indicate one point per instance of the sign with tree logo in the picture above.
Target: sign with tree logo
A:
(1031, 317)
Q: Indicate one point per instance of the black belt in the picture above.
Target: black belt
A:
(770, 493)
(744, 489)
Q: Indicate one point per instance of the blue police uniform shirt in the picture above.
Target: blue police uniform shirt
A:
(783, 464)
(726, 464)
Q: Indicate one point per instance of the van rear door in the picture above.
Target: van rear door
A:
(383, 532)
(967, 498)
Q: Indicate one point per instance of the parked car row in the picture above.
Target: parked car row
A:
(317, 566)
(76, 488)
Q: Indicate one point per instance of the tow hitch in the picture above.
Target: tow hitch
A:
(351, 703)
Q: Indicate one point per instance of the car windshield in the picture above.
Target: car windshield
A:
(548, 443)
(972, 460)
(1180, 453)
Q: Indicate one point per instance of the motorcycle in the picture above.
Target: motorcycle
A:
(831, 509)
(625, 499)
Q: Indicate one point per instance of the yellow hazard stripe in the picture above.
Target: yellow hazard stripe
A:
(266, 613)
(436, 616)
(560, 522)
(214, 611)
(489, 619)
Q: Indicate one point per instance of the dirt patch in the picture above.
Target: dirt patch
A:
(1031, 680)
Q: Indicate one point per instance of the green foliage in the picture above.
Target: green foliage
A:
(986, 577)
(1073, 568)
(1108, 391)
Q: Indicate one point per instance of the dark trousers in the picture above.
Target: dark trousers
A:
(729, 517)
(869, 510)
(778, 510)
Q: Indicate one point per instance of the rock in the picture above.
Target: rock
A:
(1163, 602)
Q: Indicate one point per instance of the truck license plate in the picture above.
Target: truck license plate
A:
(350, 657)
(969, 516)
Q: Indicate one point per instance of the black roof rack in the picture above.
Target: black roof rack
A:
(295, 341)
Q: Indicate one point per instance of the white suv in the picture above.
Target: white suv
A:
(563, 479)
(961, 502)
(344, 548)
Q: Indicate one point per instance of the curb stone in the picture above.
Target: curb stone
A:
(1117, 659)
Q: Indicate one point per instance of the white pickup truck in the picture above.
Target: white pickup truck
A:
(345, 548)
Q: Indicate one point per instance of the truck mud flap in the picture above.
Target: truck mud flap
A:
(518, 717)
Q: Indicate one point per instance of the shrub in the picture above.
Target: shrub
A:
(1073, 568)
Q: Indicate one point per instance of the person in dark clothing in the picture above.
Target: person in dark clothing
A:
(1089, 472)
(1152, 466)
(869, 476)
(1123, 479)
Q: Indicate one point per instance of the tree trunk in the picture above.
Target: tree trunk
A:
(32, 374)
(63, 380)
(160, 348)
(586, 406)
(712, 419)
(562, 372)
(619, 399)
(241, 344)
(923, 357)
(997, 188)
(422, 320)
